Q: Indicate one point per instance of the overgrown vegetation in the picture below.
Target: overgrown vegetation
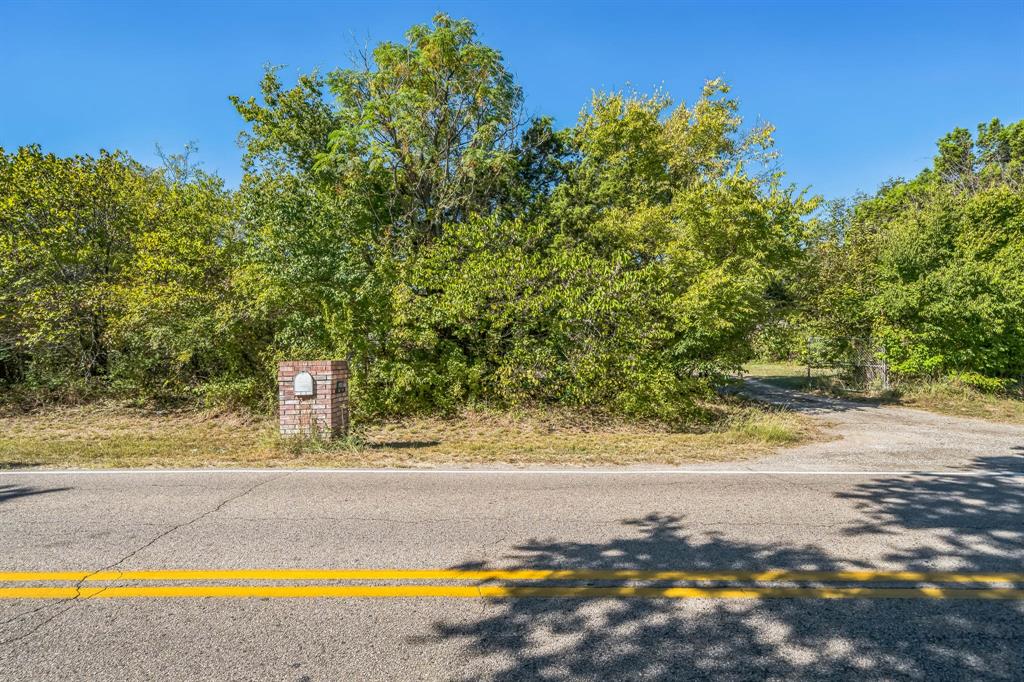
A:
(927, 274)
(404, 214)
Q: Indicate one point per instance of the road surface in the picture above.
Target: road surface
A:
(895, 550)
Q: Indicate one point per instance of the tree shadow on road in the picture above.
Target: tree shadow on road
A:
(662, 639)
(978, 520)
(11, 492)
(798, 399)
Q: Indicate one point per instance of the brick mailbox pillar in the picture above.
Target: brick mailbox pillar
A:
(312, 397)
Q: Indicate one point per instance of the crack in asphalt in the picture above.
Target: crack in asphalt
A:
(70, 602)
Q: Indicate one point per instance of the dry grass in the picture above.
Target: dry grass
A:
(953, 398)
(942, 396)
(109, 436)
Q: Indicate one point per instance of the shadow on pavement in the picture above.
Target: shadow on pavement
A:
(978, 520)
(792, 398)
(11, 492)
(404, 444)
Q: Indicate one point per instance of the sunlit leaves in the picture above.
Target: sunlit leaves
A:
(931, 269)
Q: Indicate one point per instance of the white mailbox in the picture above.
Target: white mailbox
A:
(302, 384)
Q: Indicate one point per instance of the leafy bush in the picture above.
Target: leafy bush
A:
(622, 263)
(932, 269)
(111, 273)
(980, 382)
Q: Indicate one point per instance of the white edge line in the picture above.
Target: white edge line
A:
(517, 472)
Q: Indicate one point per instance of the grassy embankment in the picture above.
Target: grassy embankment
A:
(943, 396)
(111, 435)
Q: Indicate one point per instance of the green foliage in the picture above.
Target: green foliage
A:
(404, 214)
(933, 269)
(110, 272)
(456, 254)
(980, 382)
(67, 226)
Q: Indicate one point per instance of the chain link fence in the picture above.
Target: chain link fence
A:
(856, 362)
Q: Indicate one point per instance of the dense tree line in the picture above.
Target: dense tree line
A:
(404, 214)
(929, 271)
(112, 273)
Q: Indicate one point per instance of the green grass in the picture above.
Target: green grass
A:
(105, 436)
(794, 377)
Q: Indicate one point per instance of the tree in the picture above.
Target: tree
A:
(66, 226)
(932, 268)
(402, 214)
(419, 137)
(109, 271)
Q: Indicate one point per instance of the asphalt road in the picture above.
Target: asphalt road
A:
(889, 518)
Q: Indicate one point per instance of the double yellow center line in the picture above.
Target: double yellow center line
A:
(497, 584)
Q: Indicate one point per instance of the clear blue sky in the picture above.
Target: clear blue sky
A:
(859, 91)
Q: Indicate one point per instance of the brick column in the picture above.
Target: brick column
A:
(325, 412)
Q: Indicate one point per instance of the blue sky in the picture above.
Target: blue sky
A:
(859, 92)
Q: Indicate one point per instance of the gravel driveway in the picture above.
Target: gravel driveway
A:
(885, 438)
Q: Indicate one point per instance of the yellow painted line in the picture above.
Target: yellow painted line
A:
(503, 592)
(516, 575)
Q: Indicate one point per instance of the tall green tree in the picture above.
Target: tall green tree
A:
(622, 263)
(931, 269)
(352, 174)
(109, 271)
(66, 227)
